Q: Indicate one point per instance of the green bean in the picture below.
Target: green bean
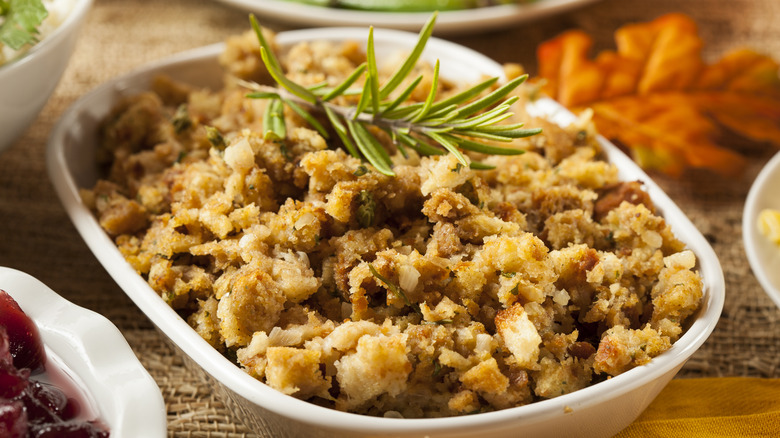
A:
(405, 5)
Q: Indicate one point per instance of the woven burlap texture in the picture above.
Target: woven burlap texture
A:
(37, 237)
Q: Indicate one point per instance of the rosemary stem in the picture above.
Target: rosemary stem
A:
(342, 111)
(348, 112)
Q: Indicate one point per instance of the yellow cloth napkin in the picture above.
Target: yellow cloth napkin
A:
(712, 407)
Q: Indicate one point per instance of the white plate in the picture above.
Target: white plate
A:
(489, 18)
(763, 255)
(95, 355)
(600, 410)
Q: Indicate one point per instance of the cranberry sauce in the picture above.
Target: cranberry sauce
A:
(24, 340)
(35, 408)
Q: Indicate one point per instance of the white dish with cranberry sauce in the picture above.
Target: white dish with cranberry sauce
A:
(89, 359)
(600, 410)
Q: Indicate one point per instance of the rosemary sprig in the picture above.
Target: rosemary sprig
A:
(459, 123)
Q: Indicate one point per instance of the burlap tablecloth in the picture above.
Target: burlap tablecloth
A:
(37, 237)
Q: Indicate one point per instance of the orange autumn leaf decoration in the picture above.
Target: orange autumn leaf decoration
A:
(657, 97)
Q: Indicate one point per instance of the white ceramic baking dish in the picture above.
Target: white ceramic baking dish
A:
(597, 411)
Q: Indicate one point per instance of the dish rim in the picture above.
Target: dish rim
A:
(754, 242)
(258, 393)
(464, 21)
(95, 355)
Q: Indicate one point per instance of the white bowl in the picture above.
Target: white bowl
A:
(763, 255)
(95, 355)
(26, 83)
(600, 410)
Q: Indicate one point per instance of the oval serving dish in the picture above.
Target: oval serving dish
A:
(600, 410)
(92, 352)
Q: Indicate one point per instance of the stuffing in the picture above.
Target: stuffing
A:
(295, 371)
(377, 366)
(622, 348)
(441, 291)
(519, 335)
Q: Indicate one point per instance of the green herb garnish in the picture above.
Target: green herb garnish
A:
(366, 210)
(22, 18)
(395, 289)
(438, 322)
(433, 127)
(215, 138)
(181, 119)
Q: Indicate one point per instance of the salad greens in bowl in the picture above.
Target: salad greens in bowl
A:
(36, 40)
(19, 25)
